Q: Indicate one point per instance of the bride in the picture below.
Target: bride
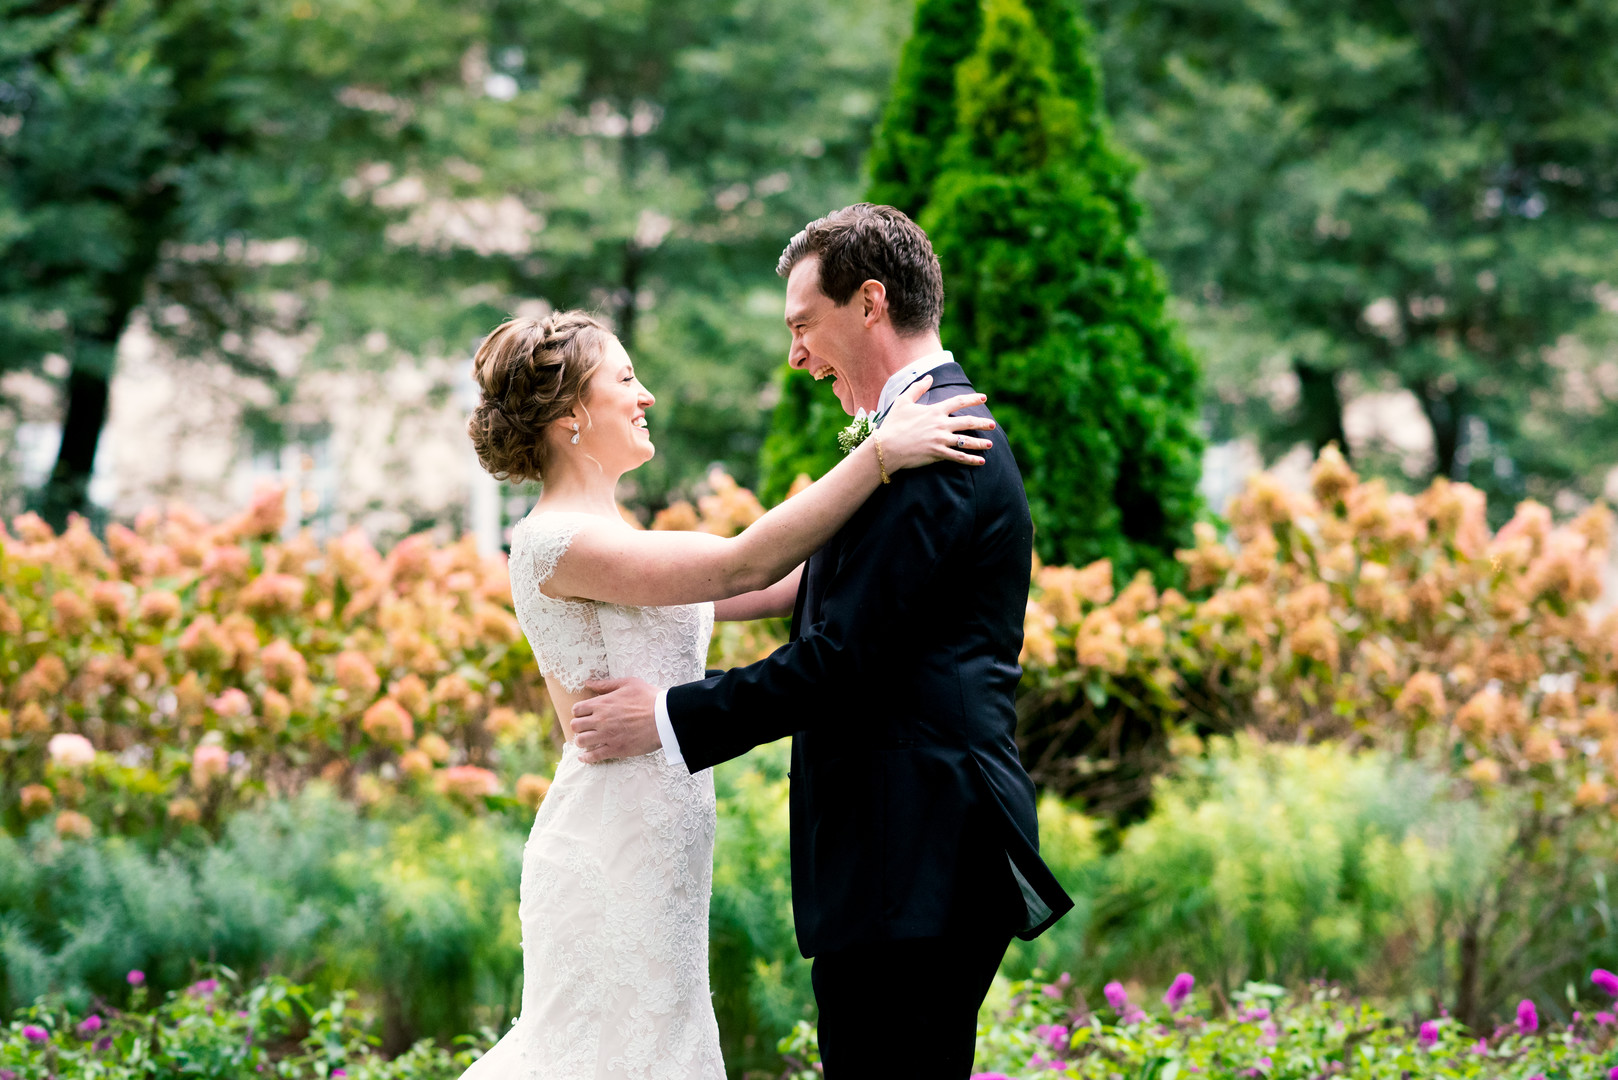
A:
(618, 868)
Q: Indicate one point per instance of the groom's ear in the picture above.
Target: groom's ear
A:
(874, 301)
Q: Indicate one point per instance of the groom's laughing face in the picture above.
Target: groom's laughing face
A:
(826, 337)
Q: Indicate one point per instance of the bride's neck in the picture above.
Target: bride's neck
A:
(581, 486)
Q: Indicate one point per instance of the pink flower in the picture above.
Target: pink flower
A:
(1527, 1017)
(1606, 1018)
(1481, 1046)
(1427, 1038)
(1253, 1015)
(990, 1076)
(69, 751)
(35, 1033)
(1055, 1034)
(1133, 1016)
(207, 762)
(232, 703)
(1179, 990)
(1051, 990)
(338, 1073)
(1605, 981)
(206, 986)
(90, 1025)
(1270, 1035)
(468, 781)
(1612, 1073)
(136, 977)
(104, 1043)
(1117, 996)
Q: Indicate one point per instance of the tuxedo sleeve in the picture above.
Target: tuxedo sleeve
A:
(884, 580)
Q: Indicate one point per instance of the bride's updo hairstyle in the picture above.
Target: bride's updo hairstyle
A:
(532, 373)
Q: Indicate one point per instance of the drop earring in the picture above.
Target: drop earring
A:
(575, 439)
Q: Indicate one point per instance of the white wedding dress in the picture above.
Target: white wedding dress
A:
(618, 869)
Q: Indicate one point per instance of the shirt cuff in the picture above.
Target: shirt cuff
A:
(665, 730)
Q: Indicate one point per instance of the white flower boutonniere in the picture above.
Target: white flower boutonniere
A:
(857, 432)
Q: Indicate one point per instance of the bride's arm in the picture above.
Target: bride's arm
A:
(775, 602)
(616, 565)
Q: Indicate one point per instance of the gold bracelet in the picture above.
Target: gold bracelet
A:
(881, 465)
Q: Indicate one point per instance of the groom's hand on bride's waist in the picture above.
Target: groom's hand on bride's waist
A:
(621, 722)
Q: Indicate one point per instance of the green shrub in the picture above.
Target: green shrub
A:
(412, 907)
(1280, 863)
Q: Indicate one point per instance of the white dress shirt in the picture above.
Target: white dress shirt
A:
(896, 384)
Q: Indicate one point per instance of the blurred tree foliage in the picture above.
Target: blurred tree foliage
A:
(648, 162)
(146, 149)
(407, 174)
(1052, 305)
(1420, 195)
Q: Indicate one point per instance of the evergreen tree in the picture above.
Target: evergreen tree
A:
(1054, 307)
(920, 116)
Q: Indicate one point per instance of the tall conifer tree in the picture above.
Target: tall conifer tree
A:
(1054, 308)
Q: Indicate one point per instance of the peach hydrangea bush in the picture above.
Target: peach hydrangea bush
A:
(1352, 612)
(184, 667)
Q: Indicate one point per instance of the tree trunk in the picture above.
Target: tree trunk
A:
(68, 489)
(1320, 407)
(1469, 963)
(1446, 413)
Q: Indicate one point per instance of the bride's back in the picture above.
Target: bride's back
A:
(575, 641)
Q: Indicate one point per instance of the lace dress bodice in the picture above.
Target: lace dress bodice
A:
(618, 868)
(575, 641)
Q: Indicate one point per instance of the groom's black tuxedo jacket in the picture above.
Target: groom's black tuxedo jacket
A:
(912, 815)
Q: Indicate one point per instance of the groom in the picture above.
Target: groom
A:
(915, 846)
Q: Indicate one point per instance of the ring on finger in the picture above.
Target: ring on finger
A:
(960, 443)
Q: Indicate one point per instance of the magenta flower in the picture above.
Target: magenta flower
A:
(990, 1076)
(205, 986)
(1427, 1038)
(1133, 1016)
(1481, 1046)
(336, 1073)
(1527, 1017)
(1179, 990)
(1253, 1015)
(1117, 996)
(136, 977)
(1605, 981)
(1051, 990)
(1612, 1073)
(1055, 1034)
(1606, 1018)
(90, 1025)
(35, 1033)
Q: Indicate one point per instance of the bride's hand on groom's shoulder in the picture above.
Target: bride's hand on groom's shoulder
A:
(914, 434)
(620, 722)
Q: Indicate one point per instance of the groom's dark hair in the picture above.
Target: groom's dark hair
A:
(868, 242)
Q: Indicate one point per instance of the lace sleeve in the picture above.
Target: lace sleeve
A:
(550, 543)
(564, 634)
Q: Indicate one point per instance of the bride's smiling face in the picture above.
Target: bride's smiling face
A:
(612, 419)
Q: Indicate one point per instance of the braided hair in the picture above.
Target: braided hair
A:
(532, 372)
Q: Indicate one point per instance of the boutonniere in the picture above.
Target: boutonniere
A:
(850, 437)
